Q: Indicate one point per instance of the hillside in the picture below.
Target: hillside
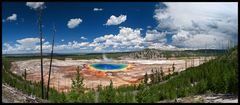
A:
(163, 54)
(145, 54)
(218, 76)
(12, 95)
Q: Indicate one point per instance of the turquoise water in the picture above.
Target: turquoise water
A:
(109, 66)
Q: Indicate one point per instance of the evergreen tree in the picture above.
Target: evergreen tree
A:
(152, 77)
(120, 97)
(77, 89)
(110, 95)
(77, 83)
(62, 98)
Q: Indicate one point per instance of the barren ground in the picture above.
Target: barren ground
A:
(205, 98)
(64, 70)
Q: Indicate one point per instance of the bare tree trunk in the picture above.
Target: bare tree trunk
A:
(25, 77)
(40, 32)
(50, 68)
(205, 53)
(25, 74)
(193, 60)
(185, 64)
(58, 80)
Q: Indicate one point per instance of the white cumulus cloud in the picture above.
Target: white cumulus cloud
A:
(35, 5)
(198, 23)
(155, 36)
(13, 17)
(32, 45)
(124, 39)
(72, 23)
(25, 45)
(114, 20)
(162, 46)
(29, 41)
(83, 38)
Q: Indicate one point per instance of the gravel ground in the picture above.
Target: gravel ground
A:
(12, 95)
(206, 98)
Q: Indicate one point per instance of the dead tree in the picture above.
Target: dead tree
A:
(169, 71)
(229, 43)
(40, 32)
(199, 60)
(205, 53)
(25, 74)
(173, 68)
(193, 60)
(185, 64)
(25, 77)
(50, 68)
(162, 73)
(58, 81)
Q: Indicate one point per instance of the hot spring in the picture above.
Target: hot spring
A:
(109, 67)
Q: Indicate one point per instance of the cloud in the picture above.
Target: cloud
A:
(205, 21)
(26, 45)
(124, 39)
(113, 20)
(13, 17)
(162, 46)
(72, 23)
(149, 27)
(205, 41)
(71, 46)
(127, 39)
(35, 5)
(97, 9)
(98, 48)
(181, 36)
(8, 47)
(62, 40)
(32, 45)
(29, 41)
(83, 38)
(75, 44)
(155, 36)
(46, 43)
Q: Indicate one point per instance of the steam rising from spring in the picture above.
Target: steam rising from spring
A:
(105, 58)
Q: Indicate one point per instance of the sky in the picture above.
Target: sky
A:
(118, 26)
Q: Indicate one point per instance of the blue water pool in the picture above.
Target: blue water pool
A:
(109, 66)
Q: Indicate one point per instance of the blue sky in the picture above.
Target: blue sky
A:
(122, 26)
(60, 13)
